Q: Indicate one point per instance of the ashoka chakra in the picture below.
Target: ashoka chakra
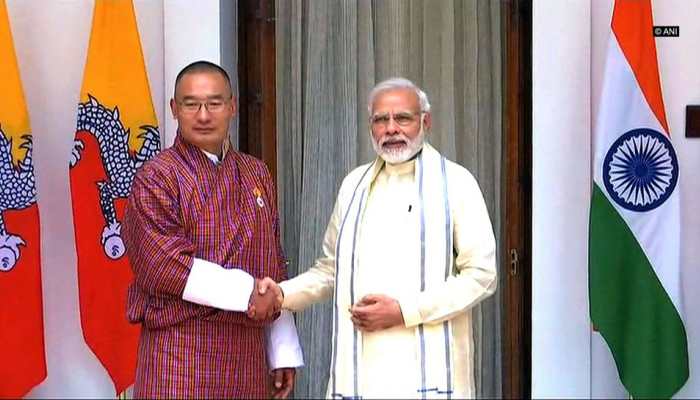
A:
(640, 170)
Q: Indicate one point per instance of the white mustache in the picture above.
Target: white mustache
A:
(394, 139)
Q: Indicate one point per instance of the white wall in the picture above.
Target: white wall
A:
(191, 34)
(51, 40)
(568, 39)
(561, 191)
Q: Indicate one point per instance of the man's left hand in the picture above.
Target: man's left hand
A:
(375, 312)
(282, 382)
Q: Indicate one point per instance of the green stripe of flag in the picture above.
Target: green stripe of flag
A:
(631, 309)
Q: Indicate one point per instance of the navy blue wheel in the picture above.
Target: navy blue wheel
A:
(640, 170)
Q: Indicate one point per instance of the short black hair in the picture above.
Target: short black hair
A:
(202, 66)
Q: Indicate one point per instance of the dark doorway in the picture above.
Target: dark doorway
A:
(256, 81)
(516, 195)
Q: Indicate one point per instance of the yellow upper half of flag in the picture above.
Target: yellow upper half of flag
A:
(14, 119)
(115, 73)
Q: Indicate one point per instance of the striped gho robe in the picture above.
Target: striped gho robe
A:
(184, 206)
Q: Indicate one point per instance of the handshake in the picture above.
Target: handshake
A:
(265, 299)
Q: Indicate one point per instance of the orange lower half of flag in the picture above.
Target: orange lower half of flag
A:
(22, 356)
(102, 281)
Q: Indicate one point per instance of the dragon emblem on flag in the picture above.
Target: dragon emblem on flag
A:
(18, 192)
(119, 163)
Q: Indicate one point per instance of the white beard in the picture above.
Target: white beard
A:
(403, 154)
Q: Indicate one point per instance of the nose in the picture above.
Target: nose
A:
(392, 127)
(203, 113)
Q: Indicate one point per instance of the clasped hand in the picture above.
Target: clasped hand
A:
(265, 299)
(376, 312)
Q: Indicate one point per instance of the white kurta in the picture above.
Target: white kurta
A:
(389, 244)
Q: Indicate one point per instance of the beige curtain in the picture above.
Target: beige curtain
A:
(329, 55)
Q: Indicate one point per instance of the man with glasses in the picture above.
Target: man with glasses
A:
(201, 227)
(408, 251)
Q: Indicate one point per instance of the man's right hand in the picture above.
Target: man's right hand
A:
(265, 300)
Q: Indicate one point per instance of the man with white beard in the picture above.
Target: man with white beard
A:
(408, 251)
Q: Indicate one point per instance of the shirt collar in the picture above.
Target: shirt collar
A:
(213, 157)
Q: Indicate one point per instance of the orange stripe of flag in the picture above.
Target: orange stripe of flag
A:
(633, 27)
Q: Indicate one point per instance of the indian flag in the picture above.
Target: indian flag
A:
(634, 246)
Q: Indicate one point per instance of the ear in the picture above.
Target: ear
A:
(173, 108)
(427, 121)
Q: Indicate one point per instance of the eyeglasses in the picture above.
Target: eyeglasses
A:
(403, 118)
(193, 106)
